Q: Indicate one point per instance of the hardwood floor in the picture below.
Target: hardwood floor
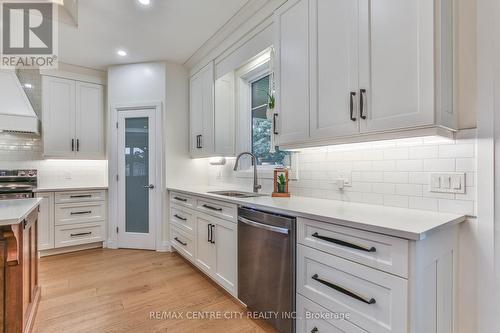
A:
(116, 291)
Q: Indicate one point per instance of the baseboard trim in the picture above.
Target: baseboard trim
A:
(164, 247)
(68, 249)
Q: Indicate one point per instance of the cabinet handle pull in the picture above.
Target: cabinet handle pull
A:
(351, 105)
(72, 144)
(81, 196)
(77, 144)
(212, 208)
(81, 213)
(315, 330)
(362, 93)
(81, 234)
(344, 290)
(198, 142)
(180, 242)
(180, 217)
(180, 199)
(275, 120)
(212, 226)
(346, 244)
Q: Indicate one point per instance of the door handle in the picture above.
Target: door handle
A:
(351, 105)
(180, 242)
(198, 142)
(72, 144)
(362, 94)
(344, 290)
(150, 186)
(209, 233)
(275, 119)
(81, 213)
(77, 144)
(81, 234)
(180, 217)
(343, 243)
(212, 226)
(212, 208)
(263, 226)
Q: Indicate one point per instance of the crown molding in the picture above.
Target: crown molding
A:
(250, 16)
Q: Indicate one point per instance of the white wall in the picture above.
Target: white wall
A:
(167, 84)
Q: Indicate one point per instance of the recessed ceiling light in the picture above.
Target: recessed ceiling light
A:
(121, 53)
(145, 2)
(28, 85)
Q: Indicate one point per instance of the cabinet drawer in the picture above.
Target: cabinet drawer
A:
(77, 234)
(80, 196)
(182, 242)
(182, 199)
(313, 318)
(386, 253)
(376, 301)
(72, 213)
(183, 219)
(217, 208)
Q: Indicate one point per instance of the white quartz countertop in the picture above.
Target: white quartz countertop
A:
(399, 222)
(62, 188)
(16, 210)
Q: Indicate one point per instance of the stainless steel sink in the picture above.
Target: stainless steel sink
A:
(237, 194)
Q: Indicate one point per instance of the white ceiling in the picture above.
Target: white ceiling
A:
(166, 30)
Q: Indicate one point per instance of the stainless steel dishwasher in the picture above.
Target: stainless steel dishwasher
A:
(266, 266)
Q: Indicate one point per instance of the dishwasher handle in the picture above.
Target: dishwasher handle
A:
(263, 226)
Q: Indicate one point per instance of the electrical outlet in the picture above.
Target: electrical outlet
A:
(447, 182)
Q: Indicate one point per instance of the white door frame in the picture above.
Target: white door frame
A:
(113, 200)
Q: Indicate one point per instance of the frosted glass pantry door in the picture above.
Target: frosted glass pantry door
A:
(136, 179)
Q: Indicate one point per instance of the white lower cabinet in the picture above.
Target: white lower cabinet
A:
(205, 248)
(46, 221)
(314, 318)
(70, 218)
(211, 242)
(350, 280)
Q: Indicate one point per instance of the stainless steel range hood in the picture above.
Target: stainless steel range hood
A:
(16, 111)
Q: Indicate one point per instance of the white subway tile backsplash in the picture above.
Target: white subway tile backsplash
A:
(424, 152)
(410, 165)
(409, 189)
(466, 164)
(424, 203)
(392, 173)
(396, 201)
(439, 165)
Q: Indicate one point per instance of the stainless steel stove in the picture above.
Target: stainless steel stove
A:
(17, 184)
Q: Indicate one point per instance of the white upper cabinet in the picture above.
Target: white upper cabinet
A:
(397, 63)
(224, 125)
(334, 68)
(73, 119)
(89, 120)
(292, 71)
(58, 115)
(347, 69)
(202, 112)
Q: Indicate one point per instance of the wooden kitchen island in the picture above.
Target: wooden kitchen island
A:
(19, 290)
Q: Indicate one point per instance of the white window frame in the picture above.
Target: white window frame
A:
(245, 76)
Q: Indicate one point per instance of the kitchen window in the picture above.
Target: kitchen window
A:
(254, 124)
(262, 127)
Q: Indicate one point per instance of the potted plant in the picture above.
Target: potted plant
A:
(281, 183)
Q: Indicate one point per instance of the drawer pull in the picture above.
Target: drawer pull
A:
(180, 218)
(315, 330)
(81, 196)
(81, 234)
(180, 242)
(81, 213)
(344, 291)
(212, 208)
(180, 199)
(346, 244)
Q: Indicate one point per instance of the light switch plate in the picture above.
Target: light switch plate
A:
(453, 182)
